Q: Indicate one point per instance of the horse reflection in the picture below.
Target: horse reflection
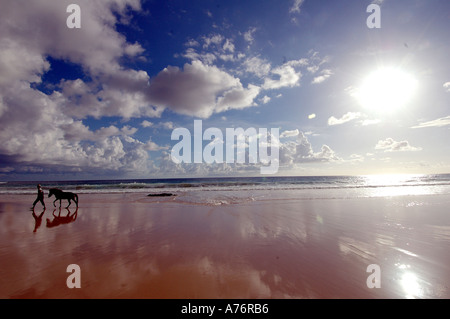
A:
(60, 220)
(37, 219)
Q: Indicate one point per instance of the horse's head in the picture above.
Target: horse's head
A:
(50, 192)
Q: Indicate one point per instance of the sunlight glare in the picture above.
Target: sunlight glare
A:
(386, 90)
(390, 185)
(410, 285)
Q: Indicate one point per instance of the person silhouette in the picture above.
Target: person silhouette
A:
(37, 220)
(40, 196)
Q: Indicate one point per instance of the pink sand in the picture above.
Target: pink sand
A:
(133, 246)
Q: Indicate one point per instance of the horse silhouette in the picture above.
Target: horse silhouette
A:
(60, 220)
(60, 195)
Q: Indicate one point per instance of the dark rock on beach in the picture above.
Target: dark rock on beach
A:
(161, 195)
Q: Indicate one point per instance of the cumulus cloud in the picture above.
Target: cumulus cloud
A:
(290, 73)
(152, 146)
(38, 130)
(256, 65)
(300, 151)
(40, 28)
(350, 116)
(287, 77)
(215, 47)
(390, 145)
(214, 39)
(199, 90)
(146, 123)
(266, 99)
(443, 121)
(293, 153)
(447, 86)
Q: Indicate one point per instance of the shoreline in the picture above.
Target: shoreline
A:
(129, 245)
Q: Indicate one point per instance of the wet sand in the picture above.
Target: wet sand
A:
(133, 246)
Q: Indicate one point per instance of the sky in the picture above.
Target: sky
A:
(101, 101)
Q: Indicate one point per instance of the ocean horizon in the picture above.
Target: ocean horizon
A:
(226, 190)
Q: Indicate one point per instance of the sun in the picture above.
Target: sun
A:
(386, 90)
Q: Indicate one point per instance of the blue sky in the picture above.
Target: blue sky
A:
(102, 101)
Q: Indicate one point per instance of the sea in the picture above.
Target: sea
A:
(229, 190)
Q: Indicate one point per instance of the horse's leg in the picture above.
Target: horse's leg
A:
(54, 202)
(69, 203)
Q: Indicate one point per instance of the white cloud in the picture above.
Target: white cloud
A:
(215, 47)
(324, 75)
(446, 86)
(238, 98)
(214, 39)
(152, 146)
(31, 121)
(146, 123)
(133, 49)
(303, 62)
(443, 121)
(288, 77)
(248, 36)
(97, 46)
(390, 145)
(312, 116)
(199, 90)
(228, 45)
(350, 116)
(259, 67)
(38, 131)
(266, 99)
(205, 57)
(192, 43)
(293, 153)
(300, 151)
(290, 133)
(295, 8)
(167, 125)
(356, 158)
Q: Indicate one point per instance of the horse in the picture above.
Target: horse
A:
(60, 195)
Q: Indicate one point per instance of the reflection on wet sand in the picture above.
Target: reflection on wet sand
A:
(37, 219)
(133, 247)
(59, 220)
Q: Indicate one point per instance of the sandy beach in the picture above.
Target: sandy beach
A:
(129, 245)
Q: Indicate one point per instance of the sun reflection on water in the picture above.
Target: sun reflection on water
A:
(409, 282)
(410, 285)
(396, 185)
